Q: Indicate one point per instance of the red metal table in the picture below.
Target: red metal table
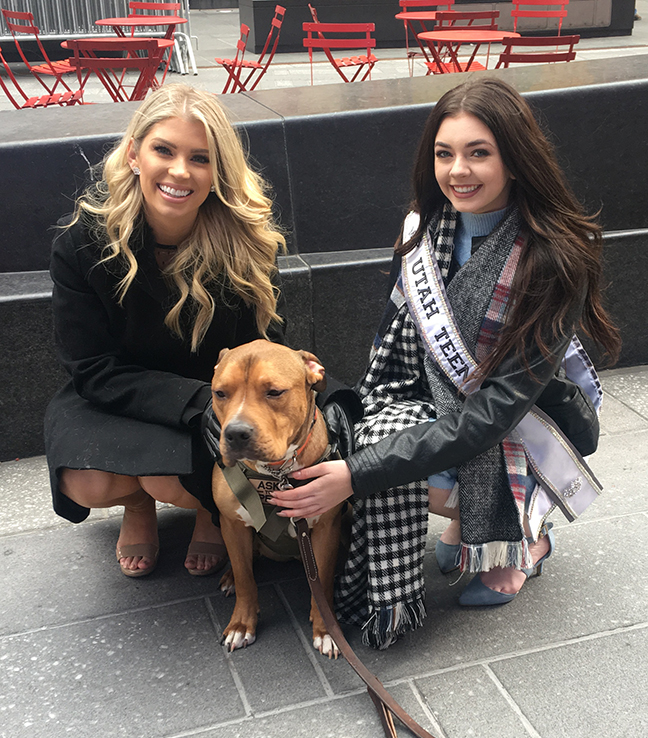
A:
(106, 68)
(452, 39)
(409, 18)
(121, 25)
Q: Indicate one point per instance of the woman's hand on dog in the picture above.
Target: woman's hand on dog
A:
(331, 485)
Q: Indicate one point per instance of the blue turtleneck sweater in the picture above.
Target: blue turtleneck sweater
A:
(473, 225)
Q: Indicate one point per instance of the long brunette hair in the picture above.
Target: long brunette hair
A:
(234, 240)
(562, 259)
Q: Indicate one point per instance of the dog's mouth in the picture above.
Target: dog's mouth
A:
(241, 443)
(253, 455)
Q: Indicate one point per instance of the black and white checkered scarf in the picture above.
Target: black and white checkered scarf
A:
(382, 586)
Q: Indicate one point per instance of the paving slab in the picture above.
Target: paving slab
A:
(146, 674)
(26, 497)
(352, 716)
(71, 573)
(616, 416)
(629, 386)
(578, 594)
(621, 464)
(592, 689)
(289, 673)
(470, 703)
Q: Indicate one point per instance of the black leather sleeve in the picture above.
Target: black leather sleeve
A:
(487, 417)
(341, 408)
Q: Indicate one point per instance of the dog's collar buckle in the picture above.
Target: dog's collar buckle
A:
(284, 483)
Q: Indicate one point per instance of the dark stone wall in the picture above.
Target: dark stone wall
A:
(339, 159)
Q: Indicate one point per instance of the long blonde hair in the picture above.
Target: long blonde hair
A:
(233, 242)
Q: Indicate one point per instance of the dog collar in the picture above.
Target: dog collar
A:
(291, 458)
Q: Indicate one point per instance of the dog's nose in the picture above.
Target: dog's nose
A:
(238, 434)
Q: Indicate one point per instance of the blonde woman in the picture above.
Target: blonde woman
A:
(168, 258)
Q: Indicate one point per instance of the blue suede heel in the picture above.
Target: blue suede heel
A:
(477, 594)
(447, 556)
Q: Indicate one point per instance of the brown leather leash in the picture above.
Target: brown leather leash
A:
(385, 704)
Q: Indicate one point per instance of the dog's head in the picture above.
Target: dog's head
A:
(262, 395)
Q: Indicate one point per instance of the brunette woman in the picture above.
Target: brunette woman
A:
(168, 258)
(496, 269)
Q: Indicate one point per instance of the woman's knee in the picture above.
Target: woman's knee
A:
(94, 488)
(169, 490)
(437, 502)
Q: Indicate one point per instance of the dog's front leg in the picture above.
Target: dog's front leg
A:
(241, 630)
(325, 537)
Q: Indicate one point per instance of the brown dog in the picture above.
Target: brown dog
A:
(264, 398)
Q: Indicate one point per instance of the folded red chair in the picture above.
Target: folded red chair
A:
(254, 69)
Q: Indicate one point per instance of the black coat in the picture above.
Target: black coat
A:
(136, 391)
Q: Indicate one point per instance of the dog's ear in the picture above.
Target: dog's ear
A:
(315, 372)
(222, 355)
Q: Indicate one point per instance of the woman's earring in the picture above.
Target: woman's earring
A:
(212, 188)
(136, 171)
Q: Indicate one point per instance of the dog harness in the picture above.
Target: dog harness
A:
(253, 489)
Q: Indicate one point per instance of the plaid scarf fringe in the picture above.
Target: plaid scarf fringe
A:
(386, 625)
(486, 556)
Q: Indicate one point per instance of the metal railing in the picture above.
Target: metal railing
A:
(62, 19)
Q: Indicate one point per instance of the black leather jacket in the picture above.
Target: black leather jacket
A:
(486, 418)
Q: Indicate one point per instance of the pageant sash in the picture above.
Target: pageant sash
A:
(564, 478)
(579, 368)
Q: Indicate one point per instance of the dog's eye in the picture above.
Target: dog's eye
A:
(275, 393)
(219, 394)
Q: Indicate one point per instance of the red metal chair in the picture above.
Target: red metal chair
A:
(152, 7)
(142, 55)
(361, 40)
(464, 19)
(38, 101)
(467, 18)
(23, 23)
(234, 67)
(551, 9)
(535, 49)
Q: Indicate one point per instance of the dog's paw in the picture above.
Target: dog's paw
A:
(237, 639)
(226, 583)
(326, 646)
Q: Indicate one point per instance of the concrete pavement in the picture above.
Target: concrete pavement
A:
(87, 652)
